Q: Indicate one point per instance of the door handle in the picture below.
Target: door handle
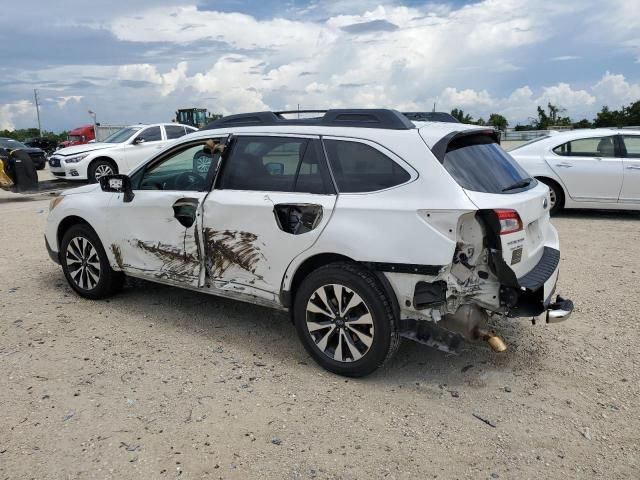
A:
(564, 165)
(633, 167)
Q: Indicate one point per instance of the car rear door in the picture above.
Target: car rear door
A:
(630, 192)
(273, 198)
(589, 167)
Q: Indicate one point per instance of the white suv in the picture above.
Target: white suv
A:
(120, 152)
(365, 226)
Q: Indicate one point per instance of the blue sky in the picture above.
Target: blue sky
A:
(139, 61)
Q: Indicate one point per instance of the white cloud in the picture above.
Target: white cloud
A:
(12, 111)
(615, 91)
(565, 58)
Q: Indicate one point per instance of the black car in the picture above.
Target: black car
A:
(46, 144)
(37, 155)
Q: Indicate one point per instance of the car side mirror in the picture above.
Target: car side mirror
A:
(138, 140)
(118, 184)
(275, 168)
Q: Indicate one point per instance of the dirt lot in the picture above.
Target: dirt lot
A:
(164, 383)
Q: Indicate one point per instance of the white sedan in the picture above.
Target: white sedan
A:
(598, 168)
(120, 152)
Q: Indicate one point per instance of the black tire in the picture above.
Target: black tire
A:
(358, 281)
(108, 280)
(98, 168)
(556, 193)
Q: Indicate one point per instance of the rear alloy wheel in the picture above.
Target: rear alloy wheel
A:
(556, 196)
(345, 320)
(85, 264)
(99, 169)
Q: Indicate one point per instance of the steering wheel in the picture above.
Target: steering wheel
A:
(189, 181)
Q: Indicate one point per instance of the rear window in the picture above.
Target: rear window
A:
(480, 165)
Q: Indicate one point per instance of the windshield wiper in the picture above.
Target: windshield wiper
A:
(519, 184)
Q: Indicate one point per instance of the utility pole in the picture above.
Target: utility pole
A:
(35, 95)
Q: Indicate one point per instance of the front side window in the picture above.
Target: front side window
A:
(632, 145)
(274, 164)
(186, 169)
(478, 164)
(151, 134)
(358, 167)
(587, 147)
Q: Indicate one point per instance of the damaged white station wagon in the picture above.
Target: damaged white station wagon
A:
(366, 226)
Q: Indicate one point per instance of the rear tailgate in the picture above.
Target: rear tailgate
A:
(522, 250)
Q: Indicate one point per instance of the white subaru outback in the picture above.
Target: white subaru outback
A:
(367, 227)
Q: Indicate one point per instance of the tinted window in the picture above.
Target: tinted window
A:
(632, 146)
(174, 131)
(357, 167)
(151, 134)
(480, 165)
(274, 164)
(587, 147)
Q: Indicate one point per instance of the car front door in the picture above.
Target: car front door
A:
(156, 235)
(630, 192)
(272, 199)
(144, 145)
(590, 168)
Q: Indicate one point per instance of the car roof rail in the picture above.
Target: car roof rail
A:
(360, 118)
(431, 117)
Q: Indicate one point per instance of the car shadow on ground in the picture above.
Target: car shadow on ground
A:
(624, 215)
(273, 336)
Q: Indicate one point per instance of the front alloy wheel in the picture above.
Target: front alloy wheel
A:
(340, 323)
(102, 170)
(83, 263)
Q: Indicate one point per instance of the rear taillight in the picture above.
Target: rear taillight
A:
(510, 221)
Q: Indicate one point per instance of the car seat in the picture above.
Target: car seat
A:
(606, 148)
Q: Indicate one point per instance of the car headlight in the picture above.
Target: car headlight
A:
(55, 201)
(75, 159)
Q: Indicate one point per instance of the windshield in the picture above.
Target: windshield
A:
(11, 144)
(482, 166)
(74, 138)
(122, 135)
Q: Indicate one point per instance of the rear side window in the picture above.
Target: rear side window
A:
(274, 164)
(358, 167)
(587, 147)
(174, 131)
(477, 163)
(632, 146)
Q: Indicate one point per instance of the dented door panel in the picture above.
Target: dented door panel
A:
(158, 236)
(250, 237)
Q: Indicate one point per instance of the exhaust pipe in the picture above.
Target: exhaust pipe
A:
(470, 321)
(496, 343)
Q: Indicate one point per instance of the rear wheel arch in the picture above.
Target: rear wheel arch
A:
(317, 261)
(550, 182)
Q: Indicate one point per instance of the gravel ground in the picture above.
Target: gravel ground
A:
(163, 383)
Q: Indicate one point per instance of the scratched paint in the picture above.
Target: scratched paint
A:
(117, 254)
(176, 264)
(226, 248)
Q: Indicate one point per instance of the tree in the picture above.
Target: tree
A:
(498, 121)
(584, 123)
(462, 117)
(625, 117)
(552, 119)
